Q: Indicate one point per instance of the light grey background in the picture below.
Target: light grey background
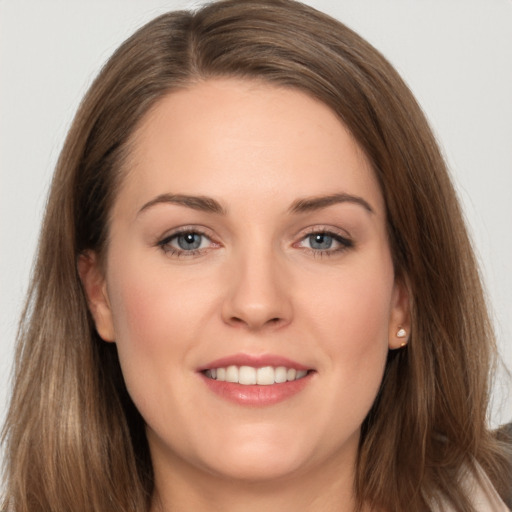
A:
(456, 56)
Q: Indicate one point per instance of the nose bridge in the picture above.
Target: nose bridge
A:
(257, 295)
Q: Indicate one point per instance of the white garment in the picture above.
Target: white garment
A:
(484, 495)
(481, 493)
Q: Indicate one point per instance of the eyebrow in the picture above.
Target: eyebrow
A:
(317, 203)
(210, 205)
(201, 203)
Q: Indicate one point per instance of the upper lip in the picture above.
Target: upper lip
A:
(256, 361)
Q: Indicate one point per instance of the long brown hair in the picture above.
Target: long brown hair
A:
(74, 440)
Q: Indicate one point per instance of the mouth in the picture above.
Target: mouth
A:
(256, 380)
(250, 375)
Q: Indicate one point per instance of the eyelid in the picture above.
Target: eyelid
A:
(341, 236)
(189, 228)
(324, 228)
(163, 242)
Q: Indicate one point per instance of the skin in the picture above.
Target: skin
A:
(257, 285)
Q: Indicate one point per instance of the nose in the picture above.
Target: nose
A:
(258, 293)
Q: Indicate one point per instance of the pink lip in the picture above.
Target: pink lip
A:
(255, 395)
(256, 361)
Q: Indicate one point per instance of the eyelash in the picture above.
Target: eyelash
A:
(344, 242)
(167, 248)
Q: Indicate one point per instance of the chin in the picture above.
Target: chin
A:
(260, 468)
(260, 455)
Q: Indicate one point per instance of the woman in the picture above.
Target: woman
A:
(244, 296)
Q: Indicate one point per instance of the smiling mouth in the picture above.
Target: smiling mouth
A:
(249, 375)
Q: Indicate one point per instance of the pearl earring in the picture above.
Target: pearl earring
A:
(402, 333)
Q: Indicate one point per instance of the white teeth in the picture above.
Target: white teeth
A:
(280, 374)
(265, 376)
(248, 375)
(231, 374)
(300, 374)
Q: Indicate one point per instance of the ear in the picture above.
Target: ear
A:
(400, 315)
(95, 286)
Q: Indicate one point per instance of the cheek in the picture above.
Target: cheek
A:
(352, 307)
(150, 305)
(157, 320)
(351, 321)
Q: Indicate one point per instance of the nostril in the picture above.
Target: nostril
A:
(275, 321)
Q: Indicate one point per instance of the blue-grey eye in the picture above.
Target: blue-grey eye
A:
(320, 241)
(189, 241)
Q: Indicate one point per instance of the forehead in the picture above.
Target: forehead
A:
(232, 138)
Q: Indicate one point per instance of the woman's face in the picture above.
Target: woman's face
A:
(249, 285)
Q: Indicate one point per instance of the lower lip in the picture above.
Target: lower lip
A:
(255, 395)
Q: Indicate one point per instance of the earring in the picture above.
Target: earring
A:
(402, 333)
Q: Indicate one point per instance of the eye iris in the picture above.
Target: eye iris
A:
(189, 241)
(320, 241)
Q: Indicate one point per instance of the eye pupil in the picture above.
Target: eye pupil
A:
(189, 241)
(320, 241)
